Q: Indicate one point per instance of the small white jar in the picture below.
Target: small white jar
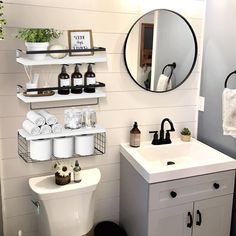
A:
(41, 150)
(84, 145)
(31, 86)
(63, 147)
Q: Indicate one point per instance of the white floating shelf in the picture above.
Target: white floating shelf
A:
(64, 133)
(57, 97)
(97, 57)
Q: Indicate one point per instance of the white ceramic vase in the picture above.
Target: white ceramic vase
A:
(37, 47)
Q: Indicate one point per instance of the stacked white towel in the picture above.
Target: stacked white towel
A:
(35, 118)
(49, 118)
(41, 122)
(229, 112)
(31, 128)
(56, 128)
(162, 83)
(45, 129)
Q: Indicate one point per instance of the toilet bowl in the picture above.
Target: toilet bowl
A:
(65, 210)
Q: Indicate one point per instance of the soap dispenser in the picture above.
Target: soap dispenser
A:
(63, 81)
(76, 80)
(89, 79)
(135, 136)
(76, 171)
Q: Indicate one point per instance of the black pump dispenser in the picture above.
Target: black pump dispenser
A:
(89, 79)
(76, 80)
(63, 81)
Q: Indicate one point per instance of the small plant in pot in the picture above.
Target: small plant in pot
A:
(63, 172)
(185, 135)
(37, 39)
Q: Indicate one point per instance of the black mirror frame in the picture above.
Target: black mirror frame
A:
(195, 55)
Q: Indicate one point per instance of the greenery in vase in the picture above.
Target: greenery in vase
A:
(2, 21)
(38, 35)
(185, 131)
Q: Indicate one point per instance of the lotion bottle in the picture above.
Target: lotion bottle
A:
(76, 80)
(63, 81)
(135, 136)
(89, 79)
(76, 171)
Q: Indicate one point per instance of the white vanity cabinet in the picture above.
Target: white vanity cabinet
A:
(200, 218)
(194, 206)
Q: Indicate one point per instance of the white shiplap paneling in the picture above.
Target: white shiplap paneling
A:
(125, 101)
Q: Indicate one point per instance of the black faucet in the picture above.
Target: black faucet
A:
(162, 139)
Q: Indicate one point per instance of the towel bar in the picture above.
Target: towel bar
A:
(226, 80)
(172, 66)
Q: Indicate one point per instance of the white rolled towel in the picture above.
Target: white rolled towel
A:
(49, 118)
(35, 118)
(56, 128)
(45, 129)
(30, 127)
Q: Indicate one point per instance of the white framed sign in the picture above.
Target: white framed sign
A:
(80, 39)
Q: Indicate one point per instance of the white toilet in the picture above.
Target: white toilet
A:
(65, 210)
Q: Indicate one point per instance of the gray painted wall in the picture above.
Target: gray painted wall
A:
(219, 59)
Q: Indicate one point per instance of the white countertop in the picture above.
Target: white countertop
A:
(191, 159)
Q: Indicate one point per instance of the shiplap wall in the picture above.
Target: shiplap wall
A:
(110, 21)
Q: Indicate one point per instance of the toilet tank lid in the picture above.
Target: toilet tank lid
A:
(45, 187)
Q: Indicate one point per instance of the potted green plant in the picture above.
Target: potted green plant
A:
(37, 39)
(185, 135)
(2, 21)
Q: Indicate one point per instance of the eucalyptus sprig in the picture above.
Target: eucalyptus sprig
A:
(38, 35)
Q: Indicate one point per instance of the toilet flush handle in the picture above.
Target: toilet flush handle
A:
(37, 204)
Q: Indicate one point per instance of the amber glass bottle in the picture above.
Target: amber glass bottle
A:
(135, 136)
(63, 81)
(89, 79)
(76, 80)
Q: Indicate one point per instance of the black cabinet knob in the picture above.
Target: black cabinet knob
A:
(216, 185)
(173, 194)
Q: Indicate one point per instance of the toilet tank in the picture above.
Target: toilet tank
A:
(68, 209)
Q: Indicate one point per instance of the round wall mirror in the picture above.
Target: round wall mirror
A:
(160, 50)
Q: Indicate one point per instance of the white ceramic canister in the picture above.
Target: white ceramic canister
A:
(63, 147)
(41, 149)
(84, 145)
(37, 47)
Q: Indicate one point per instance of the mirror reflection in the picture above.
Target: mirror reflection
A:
(160, 50)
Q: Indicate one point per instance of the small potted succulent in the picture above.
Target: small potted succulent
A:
(185, 135)
(2, 22)
(63, 172)
(37, 39)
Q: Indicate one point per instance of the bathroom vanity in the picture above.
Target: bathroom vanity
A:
(187, 198)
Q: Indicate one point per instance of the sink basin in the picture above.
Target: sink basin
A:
(157, 163)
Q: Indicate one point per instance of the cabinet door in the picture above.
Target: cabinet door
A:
(171, 221)
(212, 217)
